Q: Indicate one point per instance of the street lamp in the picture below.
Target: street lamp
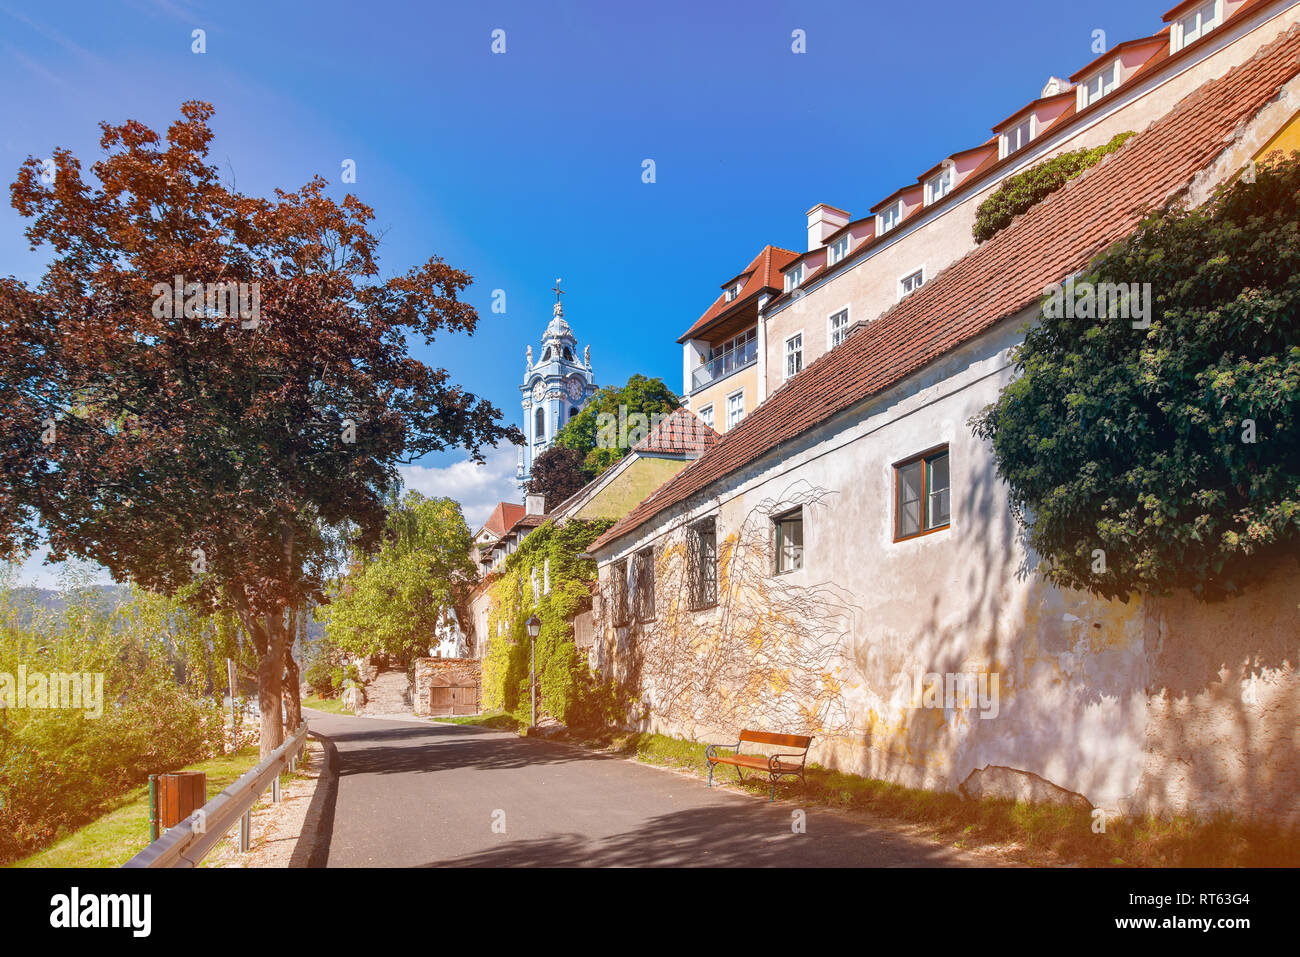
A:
(534, 626)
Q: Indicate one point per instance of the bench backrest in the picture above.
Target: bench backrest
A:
(800, 741)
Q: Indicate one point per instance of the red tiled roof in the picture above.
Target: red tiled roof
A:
(503, 518)
(682, 432)
(1032, 105)
(1055, 238)
(763, 272)
(1160, 40)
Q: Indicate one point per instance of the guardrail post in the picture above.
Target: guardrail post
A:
(245, 826)
(153, 808)
(275, 789)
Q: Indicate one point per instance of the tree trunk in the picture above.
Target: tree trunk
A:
(292, 701)
(270, 667)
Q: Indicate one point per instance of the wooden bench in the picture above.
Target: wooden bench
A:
(775, 765)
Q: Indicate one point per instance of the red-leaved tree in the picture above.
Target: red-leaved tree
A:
(220, 433)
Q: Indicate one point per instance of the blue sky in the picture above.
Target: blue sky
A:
(526, 166)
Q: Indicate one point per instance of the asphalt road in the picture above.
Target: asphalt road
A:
(419, 794)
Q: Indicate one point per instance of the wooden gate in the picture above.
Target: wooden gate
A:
(453, 697)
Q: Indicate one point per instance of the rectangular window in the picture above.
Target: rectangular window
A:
(789, 541)
(837, 328)
(618, 579)
(1017, 137)
(794, 355)
(922, 497)
(793, 277)
(735, 408)
(702, 564)
(1199, 22)
(733, 291)
(938, 186)
(1101, 84)
(706, 415)
(736, 353)
(911, 283)
(644, 563)
(837, 250)
(891, 217)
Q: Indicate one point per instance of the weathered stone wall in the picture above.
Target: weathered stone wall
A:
(386, 691)
(430, 671)
(1142, 706)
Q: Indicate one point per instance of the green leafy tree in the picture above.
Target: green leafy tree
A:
(641, 396)
(1018, 193)
(1166, 457)
(392, 603)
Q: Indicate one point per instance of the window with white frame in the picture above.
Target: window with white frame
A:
(837, 328)
(890, 217)
(793, 277)
(939, 185)
(735, 407)
(793, 355)
(837, 250)
(1101, 83)
(788, 531)
(1192, 26)
(733, 291)
(911, 283)
(1017, 137)
(706, 415)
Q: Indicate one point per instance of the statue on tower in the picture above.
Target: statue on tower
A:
(586, 356)
(529, 353)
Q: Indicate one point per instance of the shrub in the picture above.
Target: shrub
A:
(1162, 458)
(1018, 193)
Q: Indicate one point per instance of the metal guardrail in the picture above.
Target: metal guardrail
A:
(186, 844)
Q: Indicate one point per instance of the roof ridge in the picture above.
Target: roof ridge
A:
(1001, 276)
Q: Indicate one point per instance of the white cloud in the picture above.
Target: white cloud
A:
(478, 488)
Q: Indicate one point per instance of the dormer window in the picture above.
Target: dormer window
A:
(1193, 25)
(793, 277)
(939, 185)
(837, 250)
(1092, 90)
(889, 217)
(1017, 137)
(733, 291)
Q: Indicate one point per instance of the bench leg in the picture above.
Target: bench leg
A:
(711, 767)
(772, 798)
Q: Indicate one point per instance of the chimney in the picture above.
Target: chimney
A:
(533, 504)
(822, 221)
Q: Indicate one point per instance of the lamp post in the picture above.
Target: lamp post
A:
(534, 626)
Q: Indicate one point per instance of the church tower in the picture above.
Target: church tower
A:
(554, 389)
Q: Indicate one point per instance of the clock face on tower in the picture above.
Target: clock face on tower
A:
(575, 388)
(539, 390)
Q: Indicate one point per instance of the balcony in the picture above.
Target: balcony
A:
(719, 367)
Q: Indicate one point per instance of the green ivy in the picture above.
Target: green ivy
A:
(567, 689)
(1161, 458)
(1018, 193)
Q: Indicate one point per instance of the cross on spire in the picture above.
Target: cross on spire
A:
(558, 291)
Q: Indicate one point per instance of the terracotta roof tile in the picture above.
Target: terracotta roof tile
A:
(682, 432)
(1055, 238)
(763, 272)
(503, 518)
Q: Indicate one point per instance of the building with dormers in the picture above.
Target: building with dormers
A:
(555, 388)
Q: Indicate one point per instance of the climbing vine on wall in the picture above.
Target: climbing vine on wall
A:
(1018, 193)
(768, 656)
(566, 688)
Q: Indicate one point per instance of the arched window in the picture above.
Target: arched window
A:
(539, 428)
(572, 412)
(568, 353)
(547, 354)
